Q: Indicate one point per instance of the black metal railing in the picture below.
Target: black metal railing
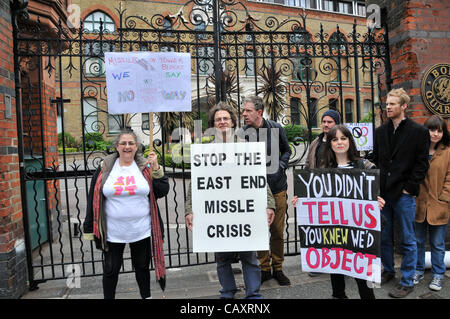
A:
(234, 54)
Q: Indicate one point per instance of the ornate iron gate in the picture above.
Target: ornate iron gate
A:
(60, 79)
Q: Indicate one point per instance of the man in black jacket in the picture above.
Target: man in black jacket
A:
(401, 154)
(278, 152)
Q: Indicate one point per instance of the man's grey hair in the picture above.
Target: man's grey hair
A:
(256, 100)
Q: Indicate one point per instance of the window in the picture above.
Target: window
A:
(312, 4)
(301, 37)
(345, 7)
(327, 5)
(367, 107)
(168, 48)
(295, 110)
(145, 121)
(59, 111)
(249, 63)
(167, 25)
(201, 27)
(303, 69)
(349, 111)
(94, 65)
(115, 123)
(333, 104)
(361, 9)
(313, 107)
(205, 60)
(90, 114)
(92, 22)
(341, 70)
(337, 40)
(309, 4)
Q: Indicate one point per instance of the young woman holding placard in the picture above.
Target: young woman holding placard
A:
(341, 152)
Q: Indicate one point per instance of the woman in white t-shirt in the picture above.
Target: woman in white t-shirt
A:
(122, 209)
(341, 152)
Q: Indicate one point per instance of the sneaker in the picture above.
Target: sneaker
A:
(265, 275)
(436, 283)
(281, 278)
(386, 277)
(417, 278)
(400, 291)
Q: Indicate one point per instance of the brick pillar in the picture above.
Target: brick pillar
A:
(13, 269)
(418, 39)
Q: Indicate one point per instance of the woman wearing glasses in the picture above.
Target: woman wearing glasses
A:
(223, 118)
(122, 209)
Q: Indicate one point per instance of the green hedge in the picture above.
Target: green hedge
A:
(293, 131)
(68, 150)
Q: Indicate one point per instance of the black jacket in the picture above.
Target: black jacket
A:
(402, 157)
(278, 180)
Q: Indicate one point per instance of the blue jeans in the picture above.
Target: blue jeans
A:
(250, 270)
(437, 245)
(404, 210)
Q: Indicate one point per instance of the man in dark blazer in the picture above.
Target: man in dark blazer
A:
(257, 128)
(401, 153)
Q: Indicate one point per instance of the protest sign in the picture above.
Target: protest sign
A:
(362, 135)
(141, 82)
(339, 221)
(229, 197)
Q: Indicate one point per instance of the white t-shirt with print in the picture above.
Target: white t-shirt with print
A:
(127, 206)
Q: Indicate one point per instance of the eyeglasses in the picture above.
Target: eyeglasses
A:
(125, 143)
(220, 119)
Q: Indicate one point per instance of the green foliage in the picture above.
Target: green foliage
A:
(95, 141)
(68, 149)
(204, 118)
(293, 131)
(69, 140)
(367, 119)
(94, 136)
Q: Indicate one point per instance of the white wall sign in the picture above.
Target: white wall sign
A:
(141, 82)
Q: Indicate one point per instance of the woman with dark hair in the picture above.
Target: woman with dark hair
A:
(341, 152)
(122, 209)
(433, 204)
(350, 156)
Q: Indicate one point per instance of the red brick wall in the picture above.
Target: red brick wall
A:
(418, 36)
(10, 207)
(12, 247)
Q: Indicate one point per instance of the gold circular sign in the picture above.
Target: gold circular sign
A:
(436, 89)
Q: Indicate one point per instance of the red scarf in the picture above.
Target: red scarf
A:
(157, 240)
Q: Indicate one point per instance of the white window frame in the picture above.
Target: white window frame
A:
(92, 22)
(90, 112)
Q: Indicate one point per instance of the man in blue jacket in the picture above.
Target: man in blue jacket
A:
(401, 153)
(278, 152)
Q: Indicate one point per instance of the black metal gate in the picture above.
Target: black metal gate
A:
(61, 81)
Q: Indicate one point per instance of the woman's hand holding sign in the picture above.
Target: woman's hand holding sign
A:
(152, 159)
(189, 221)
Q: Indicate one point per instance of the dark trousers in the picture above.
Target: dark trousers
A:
(276, 236)
(112, 262)
(338, 286)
